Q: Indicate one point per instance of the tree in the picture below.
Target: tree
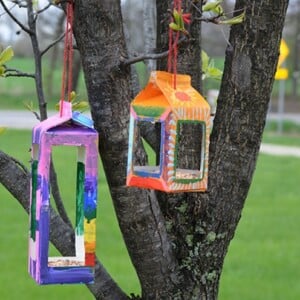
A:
(177, 242)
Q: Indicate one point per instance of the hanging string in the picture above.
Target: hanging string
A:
(173, 48)
(66, 87)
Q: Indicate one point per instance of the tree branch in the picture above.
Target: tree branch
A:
(155, 56)
(57, 197)
(17, 73)
(8, 9)
(16, 179)
(30, 32)
(52, 44)
(44, 8)
(38, 62)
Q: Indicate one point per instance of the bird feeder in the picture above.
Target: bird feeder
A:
(70, 129)
(172, 109)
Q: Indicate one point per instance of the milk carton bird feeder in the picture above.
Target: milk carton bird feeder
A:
(66, 128)
(71, 129)
(172, 109)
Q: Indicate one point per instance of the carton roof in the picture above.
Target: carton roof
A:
(58, 119)
(160, 92)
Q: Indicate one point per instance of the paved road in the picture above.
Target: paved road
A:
(19, 119)
(279, 150)
(287, 116)
(26, 120)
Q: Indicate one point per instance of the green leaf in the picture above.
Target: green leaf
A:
(235, 20)
(2, 71)
(6, 55)
(174, 26)
(214, 73)
(72, 96)
(29, 105)
(218, 10)
(176, 16)
(208, 68)
(80, 106)
(205, 61)
(210, 6)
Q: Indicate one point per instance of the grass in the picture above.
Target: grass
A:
(290, 136)
(16, 90)
(263, 259)
(14, 223)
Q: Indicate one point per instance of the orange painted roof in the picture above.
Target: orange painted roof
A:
(160, 92)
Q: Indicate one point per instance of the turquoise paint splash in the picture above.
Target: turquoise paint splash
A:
(90, 198)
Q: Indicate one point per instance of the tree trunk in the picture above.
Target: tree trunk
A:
(149, 22)
(177, 242)
(208, 220)
(138, 213)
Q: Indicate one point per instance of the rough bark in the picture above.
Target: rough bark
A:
(149, 22)
(207, 221)
(140, 219)
(189, 60)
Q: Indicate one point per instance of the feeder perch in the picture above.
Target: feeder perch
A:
(68, 129)
(172, 110)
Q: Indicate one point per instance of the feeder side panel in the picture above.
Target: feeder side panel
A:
(33, 220)
(170, 140)
(90, 205)
(79, 231)
(130, 144)
(43, 206)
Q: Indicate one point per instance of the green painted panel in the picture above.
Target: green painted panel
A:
(80, 198)
(149, 111)
(34, 167)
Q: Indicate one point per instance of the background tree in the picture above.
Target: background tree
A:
(177, 242)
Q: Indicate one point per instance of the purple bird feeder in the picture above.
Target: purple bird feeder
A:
(67, 129)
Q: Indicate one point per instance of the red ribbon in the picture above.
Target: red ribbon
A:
(66, 86)
(173, 49)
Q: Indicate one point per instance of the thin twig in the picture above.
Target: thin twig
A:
(214, 20)
(52, 44)
(44, 8)
(156, 56)
(36, 115)
(15, 19)
(17, 73)
(8, 9)
(56, 195)
(146, 56)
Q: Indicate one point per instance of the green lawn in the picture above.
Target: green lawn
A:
(14, 224)
(263, 259)
(16, 90)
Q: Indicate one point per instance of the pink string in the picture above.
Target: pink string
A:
(173, 49)
(68, 57)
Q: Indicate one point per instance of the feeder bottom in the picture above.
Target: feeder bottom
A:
(64, 262)
(188, 174)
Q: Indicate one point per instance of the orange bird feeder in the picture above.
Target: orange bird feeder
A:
(171, 110)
